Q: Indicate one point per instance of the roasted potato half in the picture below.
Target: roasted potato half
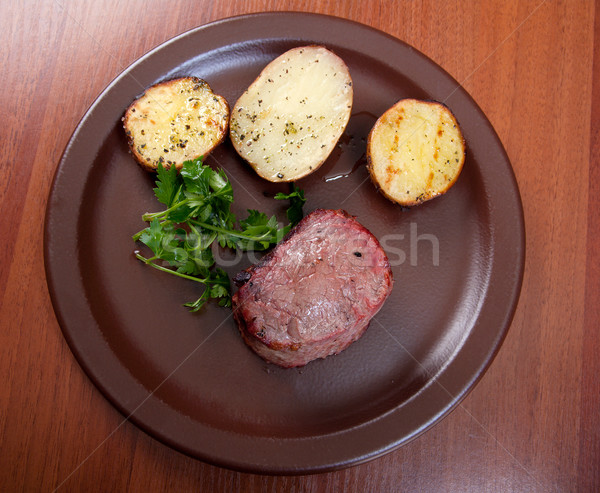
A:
(175, 121)
(415, 151)
(290, 118)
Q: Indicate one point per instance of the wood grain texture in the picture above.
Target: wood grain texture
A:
(531, 424)
(589, 424)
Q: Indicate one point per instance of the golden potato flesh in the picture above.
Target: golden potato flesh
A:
(290, 118)
(175, 121)
(415, 151)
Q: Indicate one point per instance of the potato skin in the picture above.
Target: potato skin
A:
(415, 151)
(175, 121)
(288, 121)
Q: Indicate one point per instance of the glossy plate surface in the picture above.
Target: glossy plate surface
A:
(188, 379)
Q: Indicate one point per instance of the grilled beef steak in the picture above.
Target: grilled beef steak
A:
(315, 293)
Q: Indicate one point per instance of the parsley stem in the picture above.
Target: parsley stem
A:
(170, 271)
(230, 232)
(149, 216)
(137, 236)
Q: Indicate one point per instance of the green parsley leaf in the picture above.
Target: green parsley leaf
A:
(196, 177)
(168, 185)
(295, 211)
(198, 213)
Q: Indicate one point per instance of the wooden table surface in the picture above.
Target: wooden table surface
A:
(531, 424)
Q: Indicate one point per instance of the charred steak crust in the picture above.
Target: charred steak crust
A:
(315, 292)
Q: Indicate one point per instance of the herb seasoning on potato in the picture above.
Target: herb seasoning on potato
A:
(175, 121)
(290, 118)
(415, 151)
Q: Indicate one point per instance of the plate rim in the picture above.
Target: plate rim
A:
(140, 418)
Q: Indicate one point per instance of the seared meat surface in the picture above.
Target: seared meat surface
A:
(315, 293)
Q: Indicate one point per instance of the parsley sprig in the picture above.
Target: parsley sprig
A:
(198, 212)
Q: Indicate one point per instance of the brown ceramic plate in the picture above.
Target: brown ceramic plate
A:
(188, 379)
